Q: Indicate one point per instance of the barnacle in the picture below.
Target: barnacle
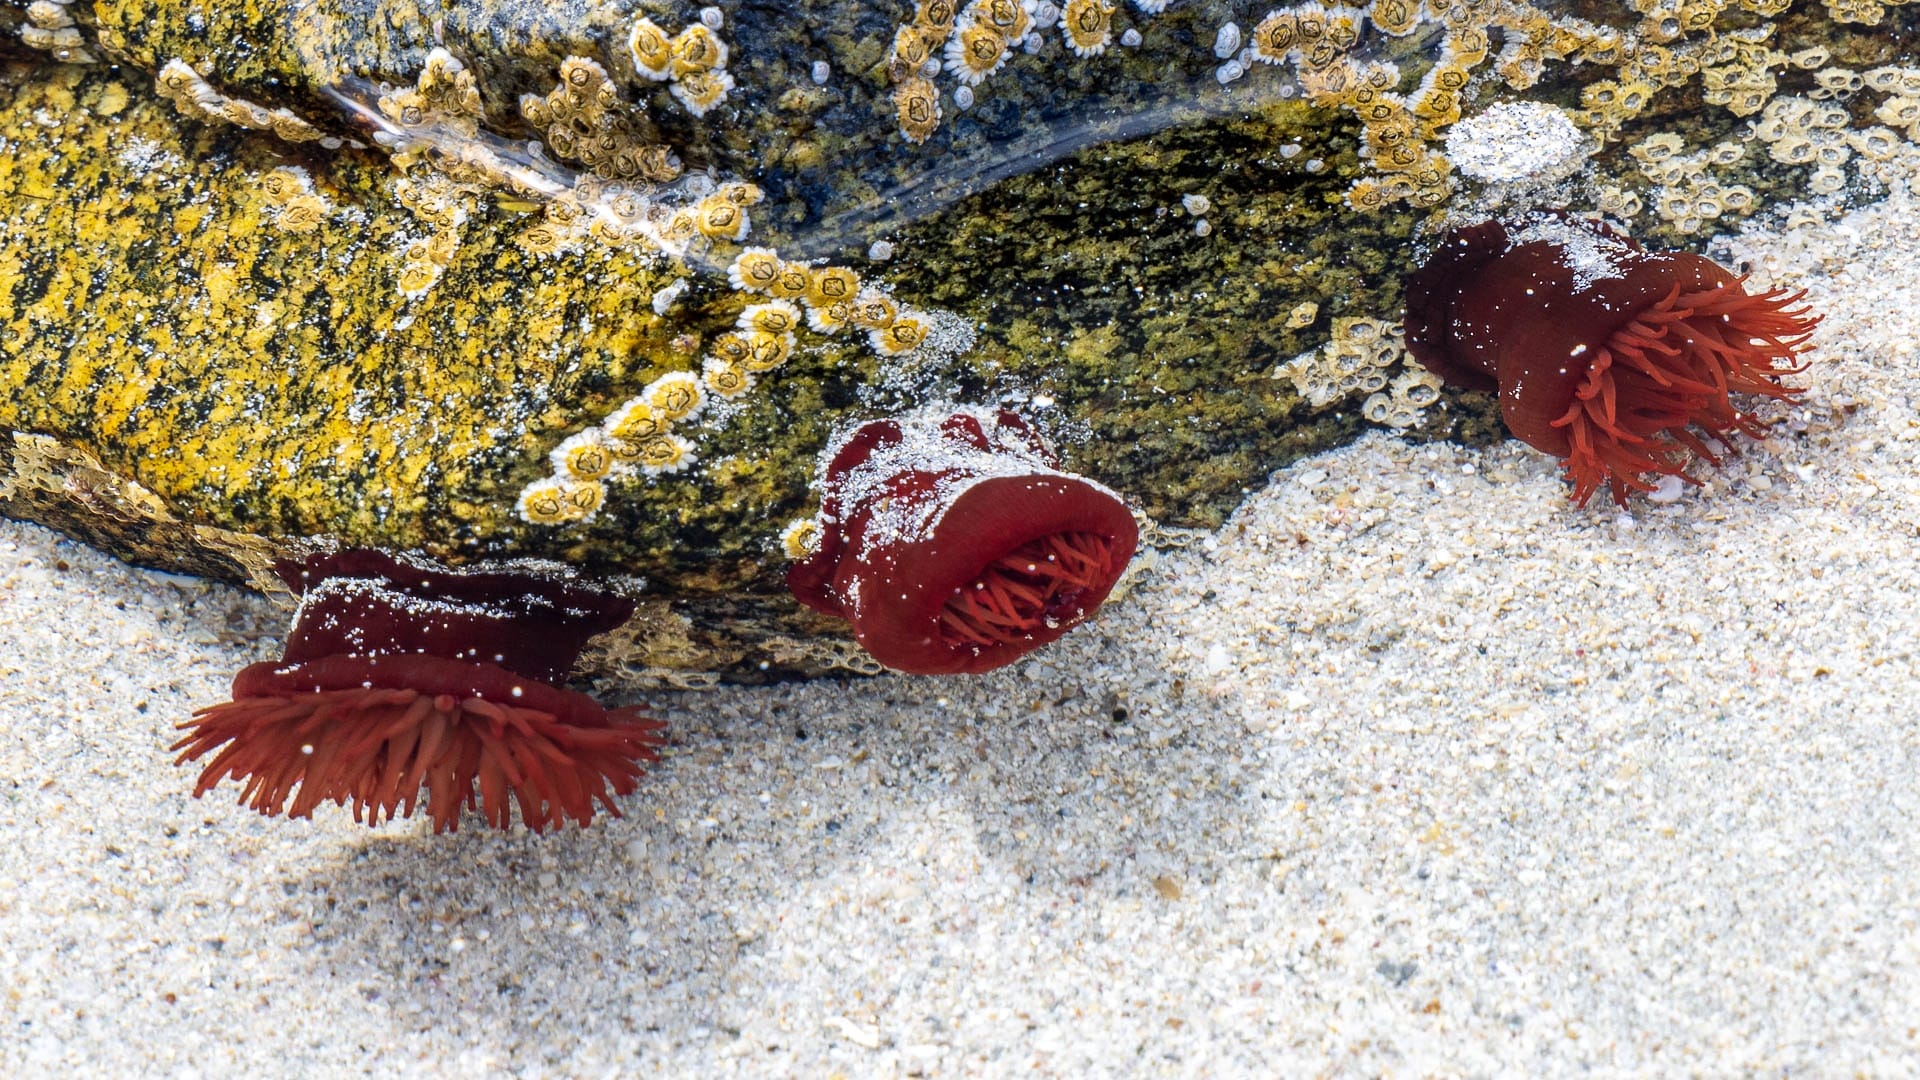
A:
(540, 239)
(731, 348)
(662, 454)
(874, 311)
(1012, 18)
(697, 50)
(721, 218)
(676, 396)
(727, 380)
(1343, 26)
(1899, 110)
(1275, 36)
(937, 14)
(792, 284)
(302, 213)
(1395, 17)
(634, 422)
(976, 51)
(1875, 143)
(557, 500)
(913, 46)
(767, 351)
(683, 225)
(772, 317)
(829, 318)
(832, 285)
(904, 334)
(801, 538)
(415, 278)
(281, 184)
(917, 107)
(701, 91)
(755, 269)
(585, 456)
(1416, 389)
(651, 49)
(1088, 25)
(741, 193)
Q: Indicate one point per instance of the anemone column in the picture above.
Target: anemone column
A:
(399, 679)
(954, 544)
(1604, 354)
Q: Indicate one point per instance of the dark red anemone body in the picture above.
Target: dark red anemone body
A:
(956, 545)
(1603, 353)
(399, 679)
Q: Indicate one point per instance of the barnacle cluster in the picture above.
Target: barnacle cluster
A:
(621, 213)
(443, 204)
(1673, 43)
(195, 97)
(636, 438)
(913, 60)
(444, 91)
(1864, 12)
(297, 207)
(583, 119)
(973, 43)
(1687, 193)
(631, 189)
(693, 62)
(1365, 356)
(433, 129)
(50, 27)
(1819, 130)
(639, 438)
(1320, 43)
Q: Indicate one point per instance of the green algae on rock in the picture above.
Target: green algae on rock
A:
(319, 283)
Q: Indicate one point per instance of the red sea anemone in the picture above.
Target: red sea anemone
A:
(955, 544)
(399, 679)
(1604, 354)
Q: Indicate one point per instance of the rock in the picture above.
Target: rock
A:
(264, 286)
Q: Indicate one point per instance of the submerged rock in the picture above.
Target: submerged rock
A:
(279, 275)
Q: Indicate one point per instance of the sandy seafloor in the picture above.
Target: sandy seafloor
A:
(1410, 769)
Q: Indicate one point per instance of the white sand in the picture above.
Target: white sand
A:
(1411, 768)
